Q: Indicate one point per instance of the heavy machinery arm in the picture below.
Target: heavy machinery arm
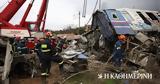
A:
(22, 23)
(11, 9)
(40, 21)
(25, 28)
(7, 29)
(21, 30)
(42, 13)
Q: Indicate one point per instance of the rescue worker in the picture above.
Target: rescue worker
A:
(17, 44)
(46, 54)
(48, 36)
(118, 51)
(60, 43)
(53, 42)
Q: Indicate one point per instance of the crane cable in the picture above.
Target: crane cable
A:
(93, 12)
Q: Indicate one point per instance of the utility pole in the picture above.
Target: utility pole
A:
(79, 18)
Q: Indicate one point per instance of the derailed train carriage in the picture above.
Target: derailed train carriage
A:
(142, 27)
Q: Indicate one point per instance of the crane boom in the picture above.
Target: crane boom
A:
(24, 28)
(11, 9)
(41, 13)
(22, 23)
(34, 26)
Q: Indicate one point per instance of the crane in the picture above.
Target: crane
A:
(41, 17)
(24, 28)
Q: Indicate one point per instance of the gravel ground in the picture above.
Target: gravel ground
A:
(96, 67)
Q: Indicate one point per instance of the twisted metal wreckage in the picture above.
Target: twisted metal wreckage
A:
(142, 28)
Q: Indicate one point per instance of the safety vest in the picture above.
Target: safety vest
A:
(45, 48)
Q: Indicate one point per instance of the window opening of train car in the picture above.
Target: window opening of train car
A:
(152, 16)
(144, 18)
(114, 16)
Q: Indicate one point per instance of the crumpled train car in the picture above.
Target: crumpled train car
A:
(140, 26)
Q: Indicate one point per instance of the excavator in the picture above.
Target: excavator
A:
(25, 29)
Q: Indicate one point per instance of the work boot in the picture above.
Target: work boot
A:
(44, 74)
